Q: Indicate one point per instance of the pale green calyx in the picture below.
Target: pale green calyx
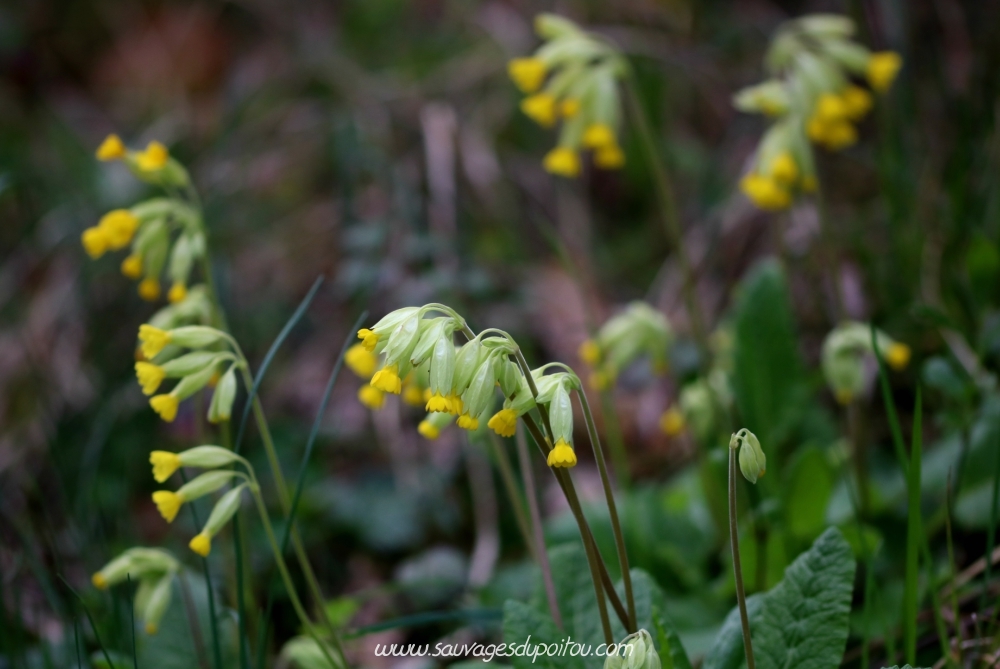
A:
(753, 462)
(635, 651)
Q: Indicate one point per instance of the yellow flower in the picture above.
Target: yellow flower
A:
(373, 398)
(527, 73)
(428, 430)
(99, 581)
(563, 161)
(150, 376)
(672, 422)
(455, 405)
(361, 360)
(598, 135)
(153, 340)
(95, 242)
(504, 422)
(467, 422)
(765, 192)
(569, 107)
(111, 148)
(589, 352)
(201, 544)
(164, 464)
(119, 226)
(151, 628)
(610, 157)
(600, 380)
(149, 289)
(840, 135)
(816, 129)
(843, 396)
(177, 292)
(368, 339)
(858, 102)
(166, 406)
(882, 69)
(540, 108)
(132, 266)
(413, 395)
(387, 380)
(168, 504)
(898, 356)
(784, 169)
(562, 455)
(153, 158)
(438, 403)
(830, 108)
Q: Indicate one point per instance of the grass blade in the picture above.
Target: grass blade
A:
(131, 609)
(913, 532)
(104, 651)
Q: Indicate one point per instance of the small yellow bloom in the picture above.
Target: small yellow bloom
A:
(168, 503)
(598, 135)
(165, 406)
(201, 544)
(149, 289)
(784, 169)
(527, 73)
(540, 108)
(840, 136)
(177, 292)
(898, 356)
(455, 404)
(132, 266)
(413, 395)
(164, 464)
(569, 107)
(843, 396)
(428, 430)
(99, 581)
(672, 422)
(816, 129)
(361, 361)
(387, 380)
(830, 108)
(882, 69)
(151, 629)
(589, 352)
(467, 422)
(562, 455)
(368, 339)
(150, 376)
(153, 340)
(373, 398)
(153, 158)
(857, 101)
(504, 422)
(111, 148)
(765, 192)
(119, 226)
(438, 403)
(600, 380)
(610, 157)
(95, 242)
(562, 161)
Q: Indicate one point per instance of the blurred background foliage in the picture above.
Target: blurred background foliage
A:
(378, 143)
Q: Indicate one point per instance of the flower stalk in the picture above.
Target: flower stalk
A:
(741, 598)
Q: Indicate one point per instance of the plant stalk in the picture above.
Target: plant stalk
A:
(741, 598)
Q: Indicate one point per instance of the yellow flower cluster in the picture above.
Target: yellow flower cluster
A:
(814, 96)
(572, 77)
(843, 356)
(638, 331)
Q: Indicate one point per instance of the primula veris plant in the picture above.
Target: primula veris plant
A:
(573, 79)
(821, 86)
(154, 569)
(637, 331)
(847, 353)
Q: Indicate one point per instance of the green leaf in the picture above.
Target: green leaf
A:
(768, 379)
(668, 644)
(803, 622)
(524, 624)
(727, 651)
(807, 492)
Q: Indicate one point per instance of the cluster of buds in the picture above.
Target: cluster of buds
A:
(165, 358)
(574, 77)
(461, 381)
(848, 358)
(813, 95)
(169, 502)
(155, 571)
(636, 651)
(753, 462)
(638, 331)
(164, 234)
(364, 363)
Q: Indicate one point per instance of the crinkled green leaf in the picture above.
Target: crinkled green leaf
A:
(524, 624)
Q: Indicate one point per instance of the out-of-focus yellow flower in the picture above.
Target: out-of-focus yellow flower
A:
(784, 169)
(413, 395)
(562, 161)
(857, 101)
(589, 352)
(428, 430)
(111, 148)
(153, 340)
(562, 455)
(540, 108)
(898, 356)
(165, 406)
(527, 73)
(150, 376)
(201, 544)
(155, 157)
(467, 422)
(765, 192)
(672, 422)
(454, 404)
(882, 69)
(373, 398)
(119, 227)
(361, 360)
(168, 503)
(149, 289)
(569, 107)
(598, 135)
(164, 464)
(177, 293)
(610, 157)
(132, 266)
(95, 242)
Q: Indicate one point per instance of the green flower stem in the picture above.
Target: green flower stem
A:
(668, 212)
(588, 545)
(616, 527)
(541, 552)
(286, 577)
(516, 499)
(613, 429)
(741, 598)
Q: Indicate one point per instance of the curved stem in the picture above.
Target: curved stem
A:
(741, 599)
(595, 442)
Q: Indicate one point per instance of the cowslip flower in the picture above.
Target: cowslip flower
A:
(153, 158)
(504, 422)
(111, 148)
(119, 227)
(672, 422)
(387, 380)
(361, 360)
(371, 397)
(150, 376)
(169, 503)
(222, 513)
